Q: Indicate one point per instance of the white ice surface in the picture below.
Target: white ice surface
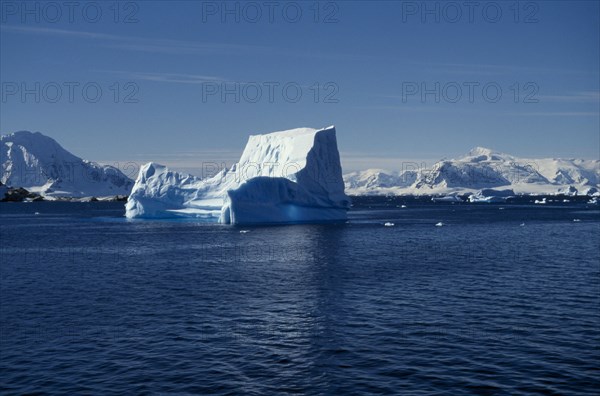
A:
(283, 177)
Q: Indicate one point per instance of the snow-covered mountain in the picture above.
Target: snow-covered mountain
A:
(379, 178)
(481, 168)
(39, 164)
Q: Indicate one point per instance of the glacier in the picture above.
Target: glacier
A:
(292, 176)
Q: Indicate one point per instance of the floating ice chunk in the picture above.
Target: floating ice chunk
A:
(389, 224)
(440, 224)
(161, 193)
(490, 195)
(540, 202)
(292, 176)
(576, 220)
(448, 198)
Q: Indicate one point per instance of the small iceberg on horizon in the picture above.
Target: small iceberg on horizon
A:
(489, 195)
(448, 198)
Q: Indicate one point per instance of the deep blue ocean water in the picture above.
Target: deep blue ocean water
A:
(93, 304)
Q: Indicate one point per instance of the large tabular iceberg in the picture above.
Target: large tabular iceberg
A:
(292, 176)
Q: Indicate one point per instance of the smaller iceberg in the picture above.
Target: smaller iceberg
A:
(161, 193)
(448, 198)
(490, 195)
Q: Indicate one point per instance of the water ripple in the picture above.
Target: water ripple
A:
(482, 306)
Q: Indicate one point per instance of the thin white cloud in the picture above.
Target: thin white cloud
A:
(178, 78)
(137, 43)
(58, 32)
(577, 97)
(559, 114)
(199, 163)
(169, 46)
(426, 108)
(488, 69)
(181, 78)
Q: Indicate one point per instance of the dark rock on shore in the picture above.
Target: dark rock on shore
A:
(19, 194)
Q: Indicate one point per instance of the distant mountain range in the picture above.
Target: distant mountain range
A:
(482, 168)
(40, 165)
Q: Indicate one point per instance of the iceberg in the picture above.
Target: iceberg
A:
(448, 198)
(292, 176)
(490, 195)
(161, 193)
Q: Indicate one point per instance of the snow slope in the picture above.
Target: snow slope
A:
(379, 178)
(481, 168)
(283, 177)
(39, 164)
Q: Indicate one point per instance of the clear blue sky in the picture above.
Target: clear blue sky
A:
(376, 56)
